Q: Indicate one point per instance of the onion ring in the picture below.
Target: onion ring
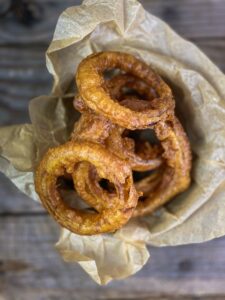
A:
(91, 87)
(117, 85)
(97, 128)
(158, 188)
(147, 159)
(63, 159)
(174, 178)
(100, 148)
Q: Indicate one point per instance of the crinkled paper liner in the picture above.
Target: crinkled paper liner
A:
(199, 88)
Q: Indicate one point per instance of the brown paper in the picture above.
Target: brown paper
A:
(199, 88)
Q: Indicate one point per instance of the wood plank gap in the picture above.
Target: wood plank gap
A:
(22, 214)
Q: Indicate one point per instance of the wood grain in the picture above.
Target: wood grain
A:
(23, 75)
(191, 18)
(14, 31)
(30, 268)
(30, 264)
(13, 202)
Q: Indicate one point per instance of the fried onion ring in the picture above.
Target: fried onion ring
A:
(156, 191)
(174, 178)
(175, 175)
(97, 128)
(92, 89)
(146, 159)
(101, 155)
(111, 215)
(158, 188)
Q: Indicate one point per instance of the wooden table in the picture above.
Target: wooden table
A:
(30, 268)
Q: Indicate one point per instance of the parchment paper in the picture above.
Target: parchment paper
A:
(199, 87)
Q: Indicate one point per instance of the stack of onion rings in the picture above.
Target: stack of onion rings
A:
(102, 154)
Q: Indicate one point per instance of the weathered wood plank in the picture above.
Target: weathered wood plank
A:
(23, 75)
(191, 18)
(30, 264)
(12, 201)
(32, 25)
